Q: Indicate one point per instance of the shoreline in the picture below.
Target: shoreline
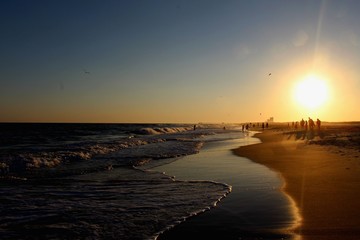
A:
(255, 209)
(323, 181)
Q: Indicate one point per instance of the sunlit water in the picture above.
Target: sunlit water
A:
(255, 209)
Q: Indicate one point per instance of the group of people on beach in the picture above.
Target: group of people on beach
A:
(309, 124)
(247, 126)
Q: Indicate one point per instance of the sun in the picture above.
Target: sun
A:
(311, 92)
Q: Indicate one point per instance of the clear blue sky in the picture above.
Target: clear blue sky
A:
(175, 61)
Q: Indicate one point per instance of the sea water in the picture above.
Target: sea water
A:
(77, 181)
(97, 181)
(256, 207)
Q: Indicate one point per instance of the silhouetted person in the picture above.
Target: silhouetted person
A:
(194, 127)
(263, 126)
(311, 124)
(302, 123)
(318, 124)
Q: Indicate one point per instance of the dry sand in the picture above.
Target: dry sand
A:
(321, 170)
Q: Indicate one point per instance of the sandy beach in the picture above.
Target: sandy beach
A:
(321, 170)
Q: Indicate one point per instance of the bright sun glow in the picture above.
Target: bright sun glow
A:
(311, 92)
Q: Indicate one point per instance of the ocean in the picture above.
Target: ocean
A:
(88, 181)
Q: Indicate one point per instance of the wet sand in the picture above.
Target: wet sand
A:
(321, 170)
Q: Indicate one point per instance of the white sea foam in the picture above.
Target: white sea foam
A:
(158, 130)
(166, 142)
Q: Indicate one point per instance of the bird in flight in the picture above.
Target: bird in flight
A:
(86, 72)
